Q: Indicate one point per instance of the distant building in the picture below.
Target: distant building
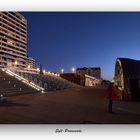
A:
(74, 78)
(127, 78)
(13, 39)
(92, 81)
(81, 79)
(93, 71)
(30, 62)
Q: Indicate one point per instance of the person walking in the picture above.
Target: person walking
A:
(110, 97)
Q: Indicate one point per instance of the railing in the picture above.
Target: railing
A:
(31, 84)
(47, 82)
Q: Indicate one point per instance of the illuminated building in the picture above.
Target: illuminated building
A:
(93, 71)
(30, 62)
(13, 39)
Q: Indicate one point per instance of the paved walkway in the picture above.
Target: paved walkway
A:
(72, 106)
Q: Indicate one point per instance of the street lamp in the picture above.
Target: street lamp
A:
(62, 70)
(44, 71)
(73, 70)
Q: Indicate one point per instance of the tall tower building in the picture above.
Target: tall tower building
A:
(13, 39)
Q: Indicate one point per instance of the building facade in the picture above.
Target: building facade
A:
(92, 81)
(93, 71)
(127, 79)
(30, 62)
(13, 39)
(74, 78)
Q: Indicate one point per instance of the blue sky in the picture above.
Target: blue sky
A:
(65, 40)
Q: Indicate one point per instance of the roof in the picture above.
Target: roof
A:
(91, 77)
(93, 68)
(131, 67)
(19, 14)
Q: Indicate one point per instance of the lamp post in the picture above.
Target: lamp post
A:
(73, 70)
(44, 71)
(62, 70)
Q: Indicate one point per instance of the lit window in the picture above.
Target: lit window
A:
(10, 42)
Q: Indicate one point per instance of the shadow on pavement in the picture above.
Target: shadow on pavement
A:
(8, 103)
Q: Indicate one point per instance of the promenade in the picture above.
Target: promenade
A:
(71, 106)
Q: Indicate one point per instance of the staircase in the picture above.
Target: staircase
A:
(47, 81)
(10, 86)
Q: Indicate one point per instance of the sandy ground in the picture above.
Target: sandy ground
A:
(71, 106)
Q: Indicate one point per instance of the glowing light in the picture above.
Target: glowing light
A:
(42, 91)
(62, 70)
(15, 62)
(37, 69)
(24, 80)
(44, 71)
(73, 69)
(10, 42)
(29, 66)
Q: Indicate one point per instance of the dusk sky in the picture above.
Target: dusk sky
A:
(65, 40)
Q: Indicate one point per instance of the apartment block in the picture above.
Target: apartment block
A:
(13, 39)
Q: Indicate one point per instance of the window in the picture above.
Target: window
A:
(10, 42)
